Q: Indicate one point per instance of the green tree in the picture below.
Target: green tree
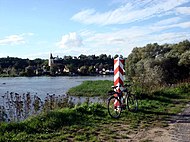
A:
(29, 71)
(1, 70)
(91, 69)
(159, 64)
(185, 59)
(116, 56)
(83, 70)
(71, 68)
(53, 69)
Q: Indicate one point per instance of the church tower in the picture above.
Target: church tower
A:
(51, 60)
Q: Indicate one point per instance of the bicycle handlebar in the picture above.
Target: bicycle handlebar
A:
(115, 92)
(111, 92)
(125, 85)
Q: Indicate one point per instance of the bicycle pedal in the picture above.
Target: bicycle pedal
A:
(124, 107)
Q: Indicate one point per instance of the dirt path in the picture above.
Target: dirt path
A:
(178, 130)
(181, 126)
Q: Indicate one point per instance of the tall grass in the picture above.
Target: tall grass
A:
(17, 107)
(49, 122)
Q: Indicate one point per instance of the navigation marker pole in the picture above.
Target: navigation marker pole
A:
(118, 73)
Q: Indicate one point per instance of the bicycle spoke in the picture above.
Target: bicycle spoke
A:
(132, 103)
(114, 107)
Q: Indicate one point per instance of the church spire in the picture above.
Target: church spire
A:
(51, 56)
(51, 59)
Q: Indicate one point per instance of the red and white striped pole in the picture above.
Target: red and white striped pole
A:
(118, 73)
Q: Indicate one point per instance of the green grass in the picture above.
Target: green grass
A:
(91, 122)
(91, 88)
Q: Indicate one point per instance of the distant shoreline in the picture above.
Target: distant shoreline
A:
(2, 76)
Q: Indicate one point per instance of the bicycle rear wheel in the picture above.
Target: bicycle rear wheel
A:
(132, 103)
(114, 107)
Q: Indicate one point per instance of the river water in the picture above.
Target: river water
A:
(43, 85)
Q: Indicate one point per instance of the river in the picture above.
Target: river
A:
(43, 85)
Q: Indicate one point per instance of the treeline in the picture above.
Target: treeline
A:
(154, 64)
(68, 65)
(83, 65)
(13, 66)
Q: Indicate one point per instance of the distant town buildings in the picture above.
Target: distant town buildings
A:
(79, 65)
(57, 66)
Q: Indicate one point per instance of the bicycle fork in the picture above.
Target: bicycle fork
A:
(117, 104)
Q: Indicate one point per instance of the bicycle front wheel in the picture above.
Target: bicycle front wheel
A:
(114, 107)
(132, 103)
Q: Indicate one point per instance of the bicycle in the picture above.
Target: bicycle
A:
(118, 101)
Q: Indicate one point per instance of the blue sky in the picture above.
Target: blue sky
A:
(34, 28)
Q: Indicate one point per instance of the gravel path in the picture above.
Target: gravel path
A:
(178, 130)
(180, 126)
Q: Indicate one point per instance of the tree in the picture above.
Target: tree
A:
(24, 67)
(185, 59)
(1, 70)
(29, 71)
(91, 69)
(155, 64)
(71, 68)
(53, 69)
(83, 57)
(116, 56)
(83, 70)
(67, 57)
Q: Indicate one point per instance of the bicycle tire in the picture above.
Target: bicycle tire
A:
(114, 109)
(132, 103)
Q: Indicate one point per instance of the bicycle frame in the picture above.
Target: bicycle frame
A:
(118, 101)
(119, 94)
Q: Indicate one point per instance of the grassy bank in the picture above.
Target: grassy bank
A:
(91, 88)
(91, 122)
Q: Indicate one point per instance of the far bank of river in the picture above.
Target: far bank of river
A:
(41, 86)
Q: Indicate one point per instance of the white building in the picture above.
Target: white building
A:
(51, 60)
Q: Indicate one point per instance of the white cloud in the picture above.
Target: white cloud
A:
(184, 25)
(183, 10)
(70, 40)
(120, 40)
(128, 13)
(28, 34)
(15, 39)
(124, 40)
(12, 40)
(168, 21)
(158, 27)
(115, 42)
(164, 25)
(86, 33)
(170, 37)
(118, 37)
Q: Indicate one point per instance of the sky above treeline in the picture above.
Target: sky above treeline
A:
(35, 28)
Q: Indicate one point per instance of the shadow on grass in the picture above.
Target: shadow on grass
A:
(180, 118)
(183, 117)
(166, 97)
(156, 112)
